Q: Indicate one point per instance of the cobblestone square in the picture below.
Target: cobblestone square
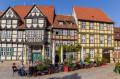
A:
(104, 72)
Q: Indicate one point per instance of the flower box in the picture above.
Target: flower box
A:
(104, 64)
(66, 69)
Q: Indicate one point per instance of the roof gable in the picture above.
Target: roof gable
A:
(10, 13)
(93, 14)
(35, 10)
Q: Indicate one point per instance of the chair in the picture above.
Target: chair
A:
(14, 71)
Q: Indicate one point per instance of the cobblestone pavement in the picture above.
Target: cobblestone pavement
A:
(104, 72)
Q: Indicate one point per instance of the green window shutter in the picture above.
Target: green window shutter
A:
(0, 51)
(12, 51)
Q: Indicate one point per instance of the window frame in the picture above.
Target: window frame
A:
(35, 21)
(102, 39)
(110, 39)
(72, 43)
(65, 32)
(83, 39)
(64, 42)
(92, 53)
(108, 27)
(91, 26)
(8, 34)
(92, 39)
(72, 32)
(30, 33)
(101, 27)
(20, 34)
(57, 43)
(38, 33)
(83, 24)
(9, 22)
(3, 34)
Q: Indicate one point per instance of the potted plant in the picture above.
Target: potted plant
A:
(99, 63)
(66, 68)
(87, 65)
(104, 61)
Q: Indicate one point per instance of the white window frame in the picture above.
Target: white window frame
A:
(91, 26)
(8, 51)
(108, 26)
(91, 38)
(9, 22)
(83, 25)
(39, 34)
(35, 20)
(20, 34)
(30, 34)
(71, 32)
(70, 23)
(71, 43)
(91, 53)
(3, 34)
(8, 34)
(65, 32)
(60, 22)
(64, 43)
(57, 43)
(101, 39)
(109, 40)
(101, 26)
(83, 38)
(3, 51)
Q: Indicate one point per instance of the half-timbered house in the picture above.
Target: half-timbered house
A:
(64, 32)
(25, 33)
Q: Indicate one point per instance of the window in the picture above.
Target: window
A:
(60, 22)
(91, 38)
(58, 32)
(83, 38)
(57, 43)
(64, 32)
(109, 39)
(64, 43)
(91, 26)
(34, 20)
(20, 34)
(102, 39)
(3, 51)
(83, 25)
(8, 51)
(68, 32)
(9, 22)
(70, 23)
(101, 26)
(8, 34)
(39, 34)
(71, 32)
(30, 34)
(91, 53)
(71, 43)
(3, 34)
(108, 26)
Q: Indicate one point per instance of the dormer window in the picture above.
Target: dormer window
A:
(70, 23)
(34, 20)
(60, 22)
(8, 22)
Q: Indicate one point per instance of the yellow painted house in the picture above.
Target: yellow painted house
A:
(95, 32)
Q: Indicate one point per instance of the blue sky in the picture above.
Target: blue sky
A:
(110, 7)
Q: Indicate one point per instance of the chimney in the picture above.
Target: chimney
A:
(68, 14)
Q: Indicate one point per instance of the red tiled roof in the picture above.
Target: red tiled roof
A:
(64, 18)
(22, 11)
(94, 14)
(117, 33)
(1, 13)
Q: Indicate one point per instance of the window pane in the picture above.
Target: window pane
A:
(71, 32)
(101, 27)
(101, 39)
(64, 32)
(20, 35)
(3, 34)
(57, 43)
(83, 25)
(34, 20)
(30, 34)
(91, 38)
(3, 51)
(83, 38)
(64, 43)
(8, 21)
(108, 26)
(8, 34)
(71, 43)
(91, 26)
(91, 53)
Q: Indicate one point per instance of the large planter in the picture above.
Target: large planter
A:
(104, 64)
(66, 69)
(117, 70)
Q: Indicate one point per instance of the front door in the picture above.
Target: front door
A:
(106, 54)
(36, 56)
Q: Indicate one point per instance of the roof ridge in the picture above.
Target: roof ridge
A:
(86, 7)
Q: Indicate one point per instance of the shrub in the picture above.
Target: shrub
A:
(86, 63)
(67, 65)
(46, 67)
(104, 60)
(117, 65)
(73, 65)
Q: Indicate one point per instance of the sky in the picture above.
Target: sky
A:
(110, 7)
